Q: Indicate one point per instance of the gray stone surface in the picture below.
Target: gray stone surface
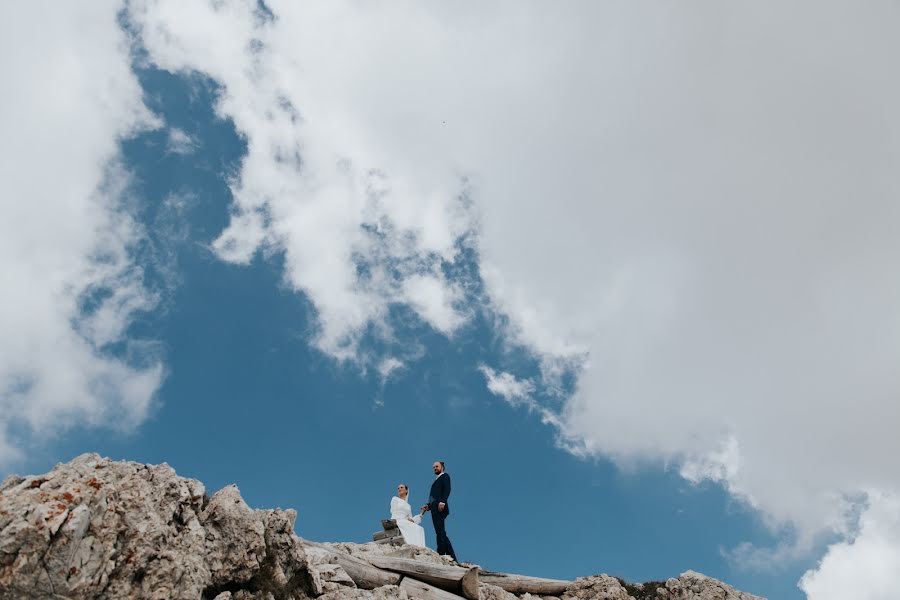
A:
(95, 528)
(691, 585)
(487, 591)
(597, 587)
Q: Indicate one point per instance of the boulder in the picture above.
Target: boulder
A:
(597, 587)
(95, 528)
(691, 585)
(487, 591)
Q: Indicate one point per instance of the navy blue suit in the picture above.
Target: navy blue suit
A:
(440, 492)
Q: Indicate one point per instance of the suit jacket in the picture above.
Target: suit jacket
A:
(440, 492)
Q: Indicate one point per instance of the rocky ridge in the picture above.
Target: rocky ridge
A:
(95, 528)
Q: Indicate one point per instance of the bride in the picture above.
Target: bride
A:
(402, 513)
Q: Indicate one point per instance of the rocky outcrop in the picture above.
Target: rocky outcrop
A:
(598, 587)
(690, 585)
(95, 528)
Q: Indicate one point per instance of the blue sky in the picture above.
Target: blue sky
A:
(637, 291)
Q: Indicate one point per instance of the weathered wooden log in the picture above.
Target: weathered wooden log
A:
(419, 590)
(388, 533)
(388, 524)
(468, 585)
(404, 551)
(397, 540)
(363, 574)
(522, 584)
(453, 579)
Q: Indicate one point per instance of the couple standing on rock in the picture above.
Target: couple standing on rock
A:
(401, 511)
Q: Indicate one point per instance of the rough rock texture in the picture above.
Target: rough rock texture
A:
(386, 592)
(690, 585)
(98, 529)
(95, 528)
(487, 591)
(598, 587)
(333, 576)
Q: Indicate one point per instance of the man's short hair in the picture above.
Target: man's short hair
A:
(442, 463)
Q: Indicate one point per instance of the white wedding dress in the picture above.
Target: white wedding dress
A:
(412, 532)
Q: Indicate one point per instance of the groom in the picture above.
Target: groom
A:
(440, 510)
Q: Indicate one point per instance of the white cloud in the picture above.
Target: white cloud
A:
(388, 367)
(69, 286)
(866, 567)
(518, 393)
(717, 464)
(311, 184)
(696, 202)
(180, 142)
(434, 299)
(508, 386)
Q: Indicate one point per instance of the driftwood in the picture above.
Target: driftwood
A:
(364, 575)
(387, 533)
(397, 540)
(419, 590)
(522, 584)
(377, 571)
(453, 579)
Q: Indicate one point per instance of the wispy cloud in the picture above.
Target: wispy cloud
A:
(515, 391)
(67, 237)
(180, 142)
(354, 244)
(388, 367)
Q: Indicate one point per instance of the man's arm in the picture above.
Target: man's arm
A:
(445, 489)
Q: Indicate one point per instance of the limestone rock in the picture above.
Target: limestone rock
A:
(597, 587)
(527, 596)
(487, 591)
(336, 574)
(386, 592)
(95, 528)
(691, 585)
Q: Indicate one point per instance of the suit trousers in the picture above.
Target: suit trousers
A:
(440, 532)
